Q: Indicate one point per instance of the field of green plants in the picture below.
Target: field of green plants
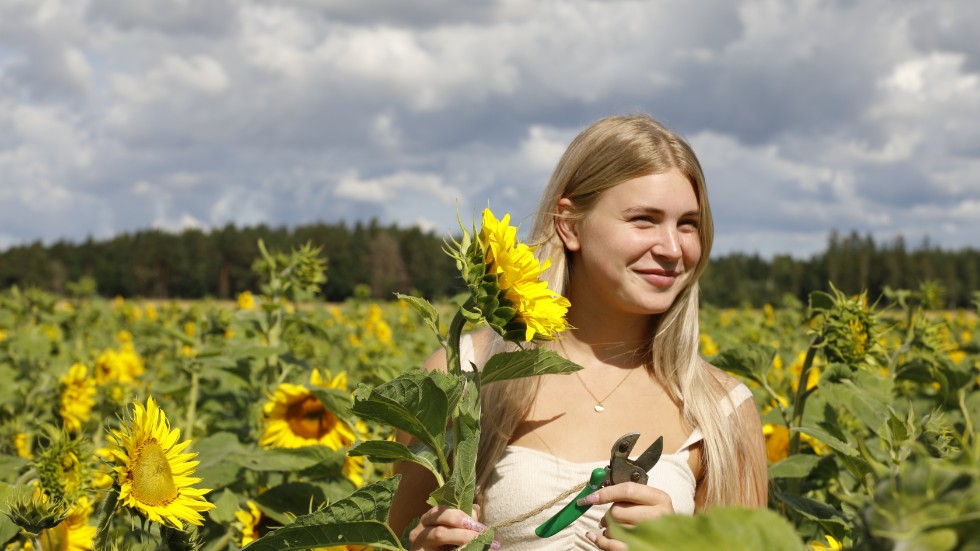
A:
(146, 425)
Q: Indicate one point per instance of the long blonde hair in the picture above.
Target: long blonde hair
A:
(607, 153)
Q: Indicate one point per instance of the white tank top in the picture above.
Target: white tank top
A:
(525, 479)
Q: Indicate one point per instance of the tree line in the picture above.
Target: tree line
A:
(386, 259)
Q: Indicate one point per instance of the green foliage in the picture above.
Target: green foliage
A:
(718, 528)
(879, 449)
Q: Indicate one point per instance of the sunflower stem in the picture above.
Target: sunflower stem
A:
(452, 342)
(192, 405)
(106, 511)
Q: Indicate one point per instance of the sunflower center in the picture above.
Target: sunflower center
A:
(153, 481)
(309, 419)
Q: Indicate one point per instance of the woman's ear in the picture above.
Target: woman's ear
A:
(567, 225)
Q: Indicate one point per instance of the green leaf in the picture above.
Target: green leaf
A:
(728, 528)
(460, 489)
(819, 300)
(213, 452)
(8, 529)
(810, 508)
(825, 437)
(525, 363)
(285, 502)
(359, 519)
(424, 309)
(419, 403)
(794, 466)
(865, 395)
(337, 402)
(225, 507)
(386, 451)
(748, 360)
(291, 459)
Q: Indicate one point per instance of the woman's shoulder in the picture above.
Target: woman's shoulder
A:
(726, 380)
(737, 392)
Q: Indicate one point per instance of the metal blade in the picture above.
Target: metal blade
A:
(649, 458)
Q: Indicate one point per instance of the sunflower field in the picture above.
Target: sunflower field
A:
(200, 425)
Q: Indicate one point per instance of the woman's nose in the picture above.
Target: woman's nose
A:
(668, 244)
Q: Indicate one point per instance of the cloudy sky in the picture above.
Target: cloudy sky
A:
(807, 115)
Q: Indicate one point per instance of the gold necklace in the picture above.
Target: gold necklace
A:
(598, 407)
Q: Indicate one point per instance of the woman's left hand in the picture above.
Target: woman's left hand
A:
(632, 503)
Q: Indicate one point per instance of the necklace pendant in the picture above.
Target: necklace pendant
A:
(599, 409)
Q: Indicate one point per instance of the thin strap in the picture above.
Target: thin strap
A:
(736, 396)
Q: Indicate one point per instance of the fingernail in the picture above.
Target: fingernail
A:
(494, 545)
(591, 537)
(471, 524)
(590, 499)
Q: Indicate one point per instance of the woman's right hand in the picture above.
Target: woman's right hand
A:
(444, 528)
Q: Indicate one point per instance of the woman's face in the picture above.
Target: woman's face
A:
(635, 250)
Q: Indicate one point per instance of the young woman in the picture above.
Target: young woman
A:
(626, 222)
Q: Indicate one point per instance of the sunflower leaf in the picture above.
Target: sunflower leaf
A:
(459, 490)
(719, 527)
(749, 360)
(525, 363)
(337, 402)
(290, 459)
(419, 403)
(386, 451)
(425, 309)
(359, 519)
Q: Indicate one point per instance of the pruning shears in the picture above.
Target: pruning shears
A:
(620, 469)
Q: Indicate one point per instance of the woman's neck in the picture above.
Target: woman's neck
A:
(623, 341)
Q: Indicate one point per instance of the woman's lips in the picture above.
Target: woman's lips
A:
(659, 278)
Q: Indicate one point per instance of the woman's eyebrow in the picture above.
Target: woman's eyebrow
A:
(633, 211)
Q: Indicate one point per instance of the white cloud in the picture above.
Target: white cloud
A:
(174, 76)
(391, 187)
(808, 116)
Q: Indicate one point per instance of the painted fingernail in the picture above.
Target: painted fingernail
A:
(494, 545)
(471, 524)
(590, 499)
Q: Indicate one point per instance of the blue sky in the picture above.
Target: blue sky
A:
(808, 116)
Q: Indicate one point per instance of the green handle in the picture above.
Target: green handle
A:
(571, 511)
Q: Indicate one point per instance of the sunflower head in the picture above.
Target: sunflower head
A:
(506, 289)
(295, 417)
(77, 397)
(153, 472)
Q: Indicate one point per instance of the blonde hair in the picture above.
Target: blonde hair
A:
(607, 153)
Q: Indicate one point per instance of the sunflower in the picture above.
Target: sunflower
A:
(295, 417)
(72, 534)
(248, 521)
(777, 441)
(246, 301)
(153, 475)
(518, 272)
(122, 366)
(77, 397)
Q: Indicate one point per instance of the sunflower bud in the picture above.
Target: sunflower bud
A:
(503, 278)
(35, 513)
